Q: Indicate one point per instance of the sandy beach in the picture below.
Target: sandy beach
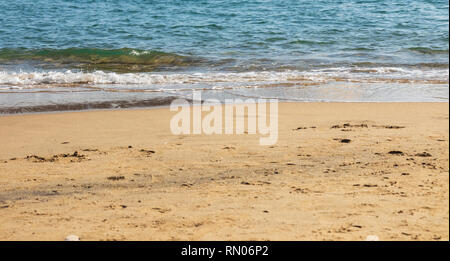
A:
(339, 171)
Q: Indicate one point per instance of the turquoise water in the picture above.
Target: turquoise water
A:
(173, 45)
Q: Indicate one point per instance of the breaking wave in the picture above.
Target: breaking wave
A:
(119, 60)
(351, 74)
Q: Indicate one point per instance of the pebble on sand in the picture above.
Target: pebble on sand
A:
(372, 238)
(72, 238)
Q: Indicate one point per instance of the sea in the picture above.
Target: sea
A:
(59, 55)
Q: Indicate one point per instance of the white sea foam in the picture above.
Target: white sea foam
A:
(137, 53)
(380, 74)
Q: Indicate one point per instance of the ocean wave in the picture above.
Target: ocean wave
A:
(428, 51)
(119, 60)
(351, 74)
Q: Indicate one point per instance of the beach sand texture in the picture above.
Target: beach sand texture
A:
(122, 175)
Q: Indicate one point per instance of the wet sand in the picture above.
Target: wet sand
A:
(340, 171)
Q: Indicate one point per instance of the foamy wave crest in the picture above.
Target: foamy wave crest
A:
(100, 77)
(137, 53)
(384, 74)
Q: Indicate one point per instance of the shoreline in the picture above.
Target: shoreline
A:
(122, 175)
(166, 106)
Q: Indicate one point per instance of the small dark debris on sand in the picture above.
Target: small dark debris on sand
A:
(301, 128)
(348, 125)
(388, 126)
(423, 154)
(66, 155)
(228, 148)
(115, 178)
(396, 152)
(40, 159)
(75, 154)
(301, 190)
(88, 150)
(164, 210)
(130, 147)
(56, 157)
(345, 140)
(148, 152)
(12, 158)
(65, 142)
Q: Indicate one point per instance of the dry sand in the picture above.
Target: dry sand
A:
(309, 186)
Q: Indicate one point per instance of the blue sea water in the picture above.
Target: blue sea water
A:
(78, 51)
